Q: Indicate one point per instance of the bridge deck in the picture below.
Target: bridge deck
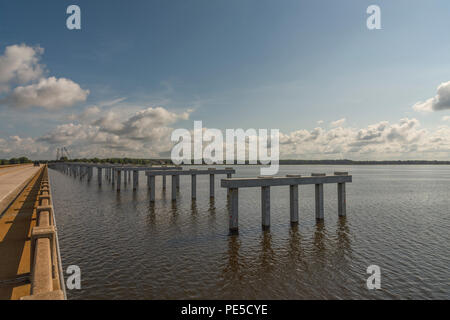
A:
(12, 181)
(15, 229)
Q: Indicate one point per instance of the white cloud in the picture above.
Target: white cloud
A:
(441, 101)
(23, 84)
(145, 133)
(49, 93)
(446, 118)
(15, 146)
(338, 123)
(383, 140)
(19, 65)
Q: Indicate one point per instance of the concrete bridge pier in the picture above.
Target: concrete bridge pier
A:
(193, 186)
(319, 197)
(164, 182)
(90, 172)
(229, 176)
(99, 175)
(293, 200)
(234, 216)
(135, 179)
(265, 207)
(119, 178)
(342, 205)
(211, 183)
(113, 174)
(174, 187)
(152, 188)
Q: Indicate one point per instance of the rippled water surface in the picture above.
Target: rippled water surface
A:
(398, 217)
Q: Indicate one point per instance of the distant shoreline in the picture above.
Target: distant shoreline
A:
(281, 162)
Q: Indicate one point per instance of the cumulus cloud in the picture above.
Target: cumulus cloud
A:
(383, 140)
(15, 146)
(49, 93)
(145, 133)
(20, 64)
(23, 85)
(338, 123)
(441, 101)
(446, 118)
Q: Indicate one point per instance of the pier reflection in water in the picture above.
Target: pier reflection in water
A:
(129, 248)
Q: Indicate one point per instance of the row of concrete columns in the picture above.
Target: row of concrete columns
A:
(193, 173)
(293, 198)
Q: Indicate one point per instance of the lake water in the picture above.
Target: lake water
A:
(398, 217)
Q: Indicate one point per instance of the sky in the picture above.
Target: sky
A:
(312, 69)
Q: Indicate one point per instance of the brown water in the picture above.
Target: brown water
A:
(398, 217)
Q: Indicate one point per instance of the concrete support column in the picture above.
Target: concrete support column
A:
(178, 182)
(211, 186)
(119, 178)
(229, 176)
(342, 210)
(90, 173)
(148, 182)
(194, 186)
(174, 187)
(293, 200)
(99, 175)
(135, 179)
(113, 174)
(265, 207)
(164, 182)
(234, 214)
(152, 188)
(319, 197)
(342, 203)
(319, 202)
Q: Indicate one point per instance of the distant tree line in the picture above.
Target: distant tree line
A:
(119, 161)
(15, 161)
(137, 161)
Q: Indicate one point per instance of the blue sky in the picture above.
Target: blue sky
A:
(252, 64)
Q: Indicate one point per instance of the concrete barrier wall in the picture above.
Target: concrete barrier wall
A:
(47, 281)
